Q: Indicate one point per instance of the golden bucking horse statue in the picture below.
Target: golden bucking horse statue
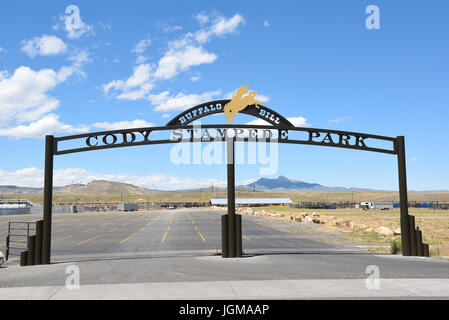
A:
(240, 100)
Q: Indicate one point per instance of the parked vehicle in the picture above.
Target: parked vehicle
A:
(385, 205)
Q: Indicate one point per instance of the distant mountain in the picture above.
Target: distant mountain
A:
(102, 187)
(283, 184)
(19, 190)
(93, 187)
(280, 184)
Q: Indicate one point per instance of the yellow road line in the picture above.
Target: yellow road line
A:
(196, 228)
(149, 223)
(193, 222)
(66, 237)
(59, 231)
(202, 238)
(163, 239)
(113, 229)
(127, 223)
(143, 228)
(123, 241)
(245, 238)
(88, 230)
(168, 229)
(83, 224)
(83, 242)
(103, 225)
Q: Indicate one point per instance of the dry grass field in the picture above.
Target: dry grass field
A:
(205, 196)
(433, 223)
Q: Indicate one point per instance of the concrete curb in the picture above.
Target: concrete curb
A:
(263, 289)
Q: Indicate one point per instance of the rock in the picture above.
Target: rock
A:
(314, 214)
(345, 223)
(317, 221)
(397, 231)
(384, 231)
(298, 219)
(2, 258)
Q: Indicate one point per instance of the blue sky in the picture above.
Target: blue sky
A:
(140, 63)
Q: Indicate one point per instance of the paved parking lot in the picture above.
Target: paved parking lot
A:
(180, 247)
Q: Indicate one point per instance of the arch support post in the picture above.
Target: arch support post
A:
(231, 224)
(405, 220)
(48, 194)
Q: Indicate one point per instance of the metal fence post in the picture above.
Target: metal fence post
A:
(224, 236)
(31, 241)
(38, 243)
(413, 247)
(231, 197)
(425, 249)
(405, 223)
(48, 193)
(238, 238)
(419, 245)
(23, 258)
(7, 248)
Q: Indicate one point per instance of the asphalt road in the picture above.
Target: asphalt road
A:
(180, 246)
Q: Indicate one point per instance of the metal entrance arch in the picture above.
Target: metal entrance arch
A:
(281, 131)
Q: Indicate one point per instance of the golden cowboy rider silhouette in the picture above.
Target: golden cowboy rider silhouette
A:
(240, 101)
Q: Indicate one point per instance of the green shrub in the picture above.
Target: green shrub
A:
(396, 246)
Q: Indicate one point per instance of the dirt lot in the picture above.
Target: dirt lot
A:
(363, 226)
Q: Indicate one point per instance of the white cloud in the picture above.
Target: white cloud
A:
(169, 28)
(338, 120)
(3, 50)
(266, 23)
(195, 78)
(123, 125)
(163, 102)
(296, 121)
(4, 74)
(182, 54)
(299, 121)
(26, 108)
(202, 18)
(23, 95)
(34, 177)
(78, 60)
(38, 129)
(219, 27)
(141, 46)
(133, 88)
(44, 46)
(176, 60)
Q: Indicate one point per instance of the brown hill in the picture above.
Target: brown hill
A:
(101, 187)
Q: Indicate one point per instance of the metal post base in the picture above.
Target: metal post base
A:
(231, 236)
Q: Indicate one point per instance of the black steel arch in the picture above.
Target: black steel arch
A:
(216, 106)
(144, 136)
